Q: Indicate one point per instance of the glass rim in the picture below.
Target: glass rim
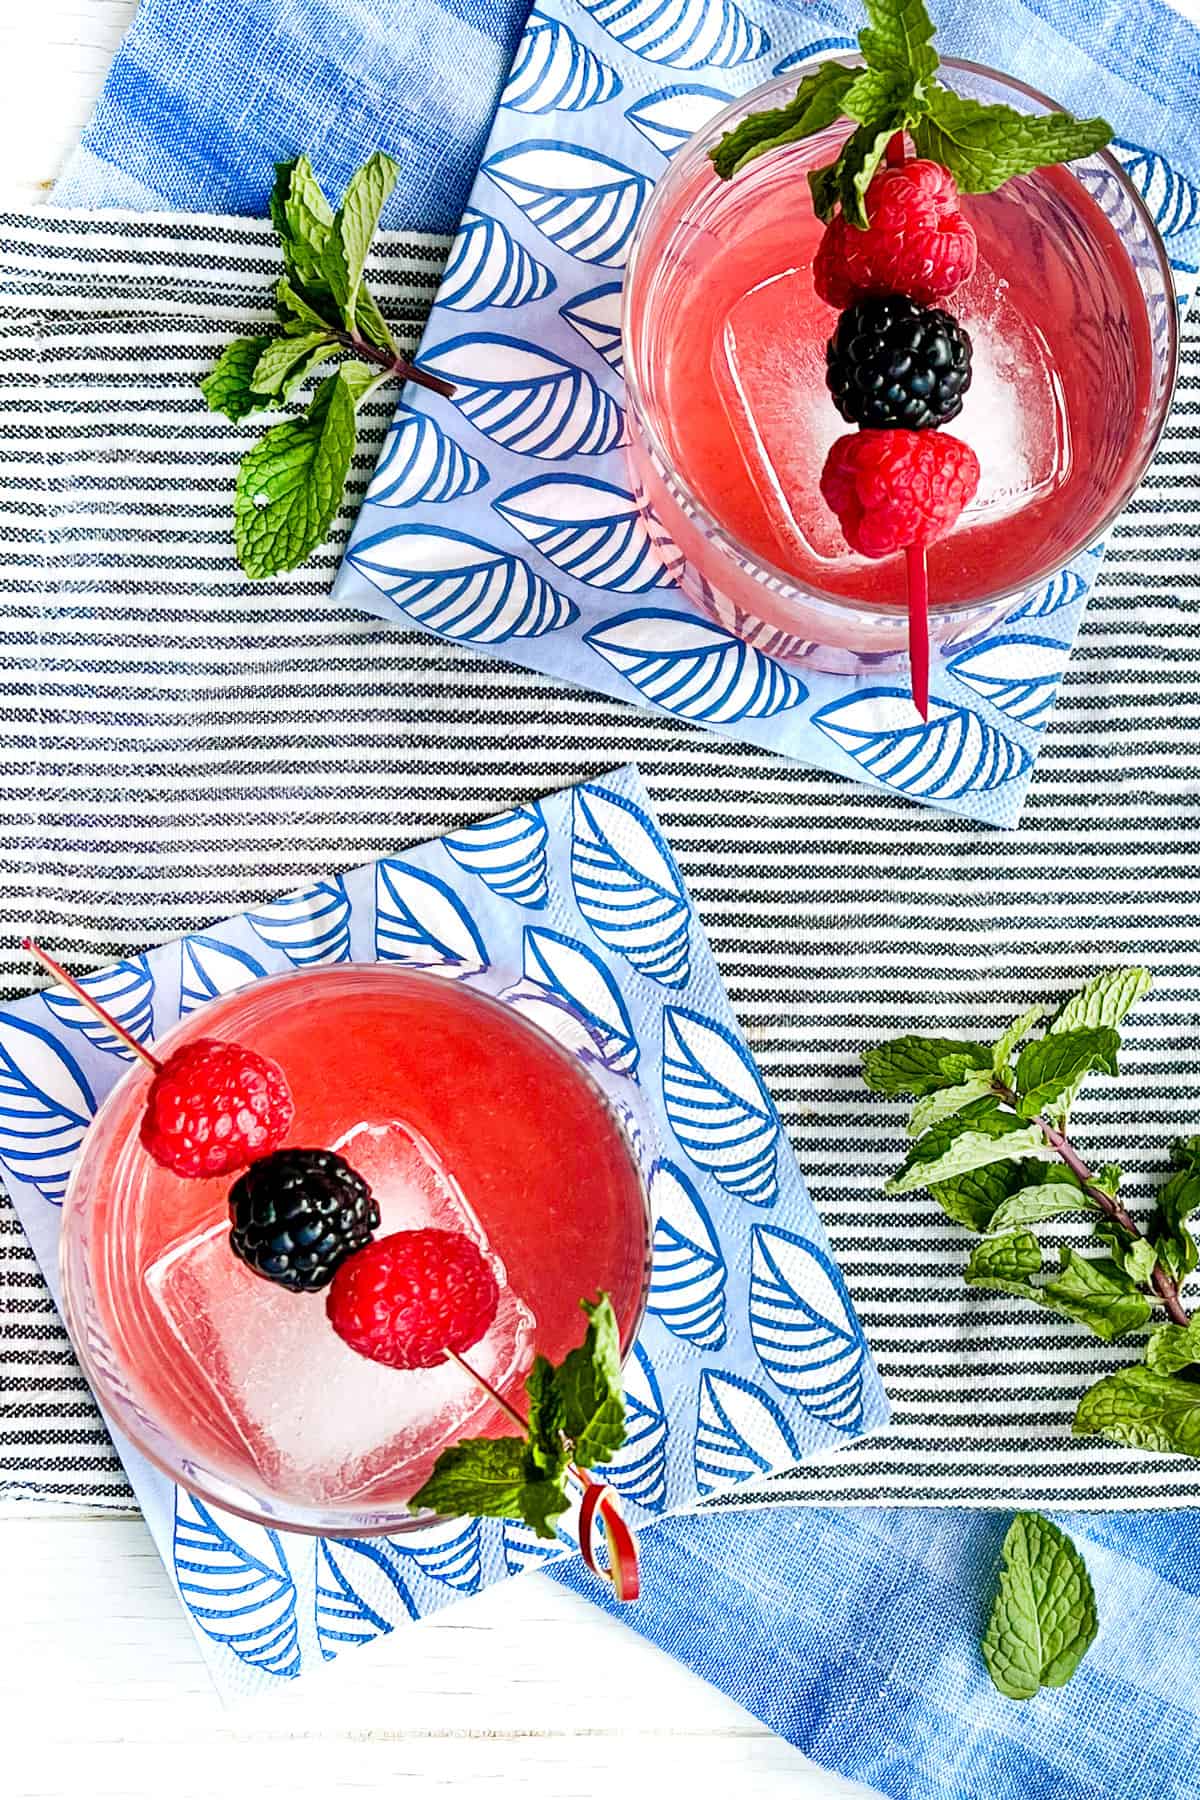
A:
(780, 581)
(212, 1488)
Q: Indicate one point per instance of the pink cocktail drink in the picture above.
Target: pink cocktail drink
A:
(460, 1114)
(1073, 330)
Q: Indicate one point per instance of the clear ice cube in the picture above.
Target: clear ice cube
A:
(318, 1421)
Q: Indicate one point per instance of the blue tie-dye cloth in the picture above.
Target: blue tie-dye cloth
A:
(750, 1357)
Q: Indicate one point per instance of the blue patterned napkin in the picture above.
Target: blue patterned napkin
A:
(504, 518)
(750, 1358)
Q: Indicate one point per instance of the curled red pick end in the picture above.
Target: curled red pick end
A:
(918, 626)
(895, 149)
(622, 1566)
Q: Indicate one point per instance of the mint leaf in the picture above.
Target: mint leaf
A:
(541, 1503)
(1185, 1154)
(1096, 1292)
(1106, 1000)
(479, 1477)
(985, 146)
(1048, 1068)
(915, 1065)
(358, 220)
(227, 386)
(875, 94)
(371, 323)
(898, 39)
(304, 220)
(1178, 1199)
(1032, 1205)
(287, 360)
(845, 182)
(1144, 1409)
(933, 1108)
(589, 1381)
(290, 484)
(979, 1134)
(547, 1421)
(1008, 1264)
(294, 310)
(1043, 1619)
(1007, 1042)
(1108, 1178)
(1173, 1347)
(971, 1199)
(817, 103)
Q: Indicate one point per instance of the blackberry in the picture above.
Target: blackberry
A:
(892, 363)
(298, 1214)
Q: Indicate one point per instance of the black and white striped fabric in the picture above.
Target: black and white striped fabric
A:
(178, 741)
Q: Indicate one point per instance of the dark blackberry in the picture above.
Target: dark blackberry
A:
(297, 1214)
(892, 363)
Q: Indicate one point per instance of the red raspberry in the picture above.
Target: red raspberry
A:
(890, 489)
(406, 1299)
(215, 1107)
(917, 242)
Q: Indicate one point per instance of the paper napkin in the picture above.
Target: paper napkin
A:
(750, 1358)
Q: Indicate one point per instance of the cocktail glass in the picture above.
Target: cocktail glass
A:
(494, 1115)
(1073, 316)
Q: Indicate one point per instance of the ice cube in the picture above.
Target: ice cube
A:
(319, 1422)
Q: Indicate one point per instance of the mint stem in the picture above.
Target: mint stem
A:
(1161, 1281)
(395, 365)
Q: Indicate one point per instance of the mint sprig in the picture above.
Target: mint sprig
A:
(989, 1143)
(576, 1420)
(1043, 1619)
(898, 90)
(290, 483)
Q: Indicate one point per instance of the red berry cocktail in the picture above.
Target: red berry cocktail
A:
(758, 338)
(445, 1176)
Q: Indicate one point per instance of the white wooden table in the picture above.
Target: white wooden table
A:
(102, 1689)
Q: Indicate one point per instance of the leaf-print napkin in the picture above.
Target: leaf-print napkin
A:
(750, 1358)
(504, 518)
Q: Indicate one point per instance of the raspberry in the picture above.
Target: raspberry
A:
(214, 1107)
(298, 1214)
(917, 242)
(891, 489)
(407, 1299)
(892, 362)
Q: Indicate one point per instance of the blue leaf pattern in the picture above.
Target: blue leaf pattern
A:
(627, 885)
(1064, 590)
(45, 1107)
(238, 1589)
(688, 34)
(596, 316)
(573, 972)
(956, 753)
(507, 853)
(419, 919)
(209, 967)
(528, 400)
(488, 267)
(421, 462)
(555, 72)
(668, 118)
(588, 529)
(309, 927)
(1172, 201)
(126, 991)
(358, 1584)
(740, 1433)
(639, 1469)
(583, 201)
(718, 1107)
(687, 1280)
(804, 1328)
(449, 1552)
(693, 669)
(457, 586)
(524, 1549)
(1017, 675)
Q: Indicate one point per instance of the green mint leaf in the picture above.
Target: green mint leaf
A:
(371, 323)
(971, 1199)
(1108, 1177)
(589, 1380)
(227, 386)
(1173, 1347)
(290, 485)
(1185, 1154)
(547, 1421)
(1177, 1254)
(1138, 1261)
(304, 220)
(817, 103)
(1144, 1409)
(1043, 1619)
(480, 1478)
(1032, 1205)
(296, 313)
(898, 39)
(1050, 1067)
(933, 1108)
(541, 1503)
(985, 146)
(358, 216)
(921, 1065)
(845, 182)
(1178, 1199)
(1097, 1292)
(876, 94)
(287, 360)
(1007, 1263)
(1106, 1000)
(979, 1134)
(1004, 1046)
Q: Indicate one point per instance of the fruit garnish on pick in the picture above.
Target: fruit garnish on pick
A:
(296, 1216)
(412, 1299)
(212, 1108)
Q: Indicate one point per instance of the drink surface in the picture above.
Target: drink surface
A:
(733, 352)
(459, 1114)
